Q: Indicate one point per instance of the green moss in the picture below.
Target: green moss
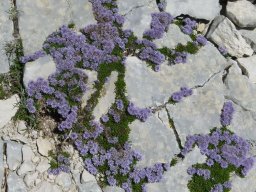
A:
(71, 25)
(178, 22)
(174, 161)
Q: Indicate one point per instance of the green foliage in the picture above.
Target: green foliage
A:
(174, 161)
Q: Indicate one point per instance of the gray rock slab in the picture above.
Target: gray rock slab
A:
(14, 155)
(8, 109)
(154, 139)
(248, 65)
(6, 30)
(199, 9)
(239, 89)
(176, 178)
(15, 183)
(199, 113)
(250, 37)
(224, 33)
(242, 13)
(46, 187)
(40, 18)
(1, 161)
(113, 189)
(172, 38)
(42, 67)
(157, 87)
(138, 22)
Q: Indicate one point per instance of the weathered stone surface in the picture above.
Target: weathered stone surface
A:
(250, 37)
(15, 183)
(1, 161)
(43, 146)
(242, 13)
(243, 123)
(27, 153)
(171, 78)
(224, 33)
(199, 9)
(46, 187)
(8, 109)
(200, 112)
(176, 178)
(42, 68)
(14, 155)
(107, 96)
(26, 166)
(35, 16)
(92, 77)
(87, 177)
(6, 30)
(30, 178)
(43, 165)
(239, 89)
(21, 127)
(113, 189)
(138, 22)
(156, 134)
(248, 65)
(64, 180)
(172, 38)
(128, 6)
(244, 184)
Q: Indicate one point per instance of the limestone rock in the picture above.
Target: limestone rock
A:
(224, 33)
(1, 161)
(87, 177)
(107, 96)
(248, 65)
(14, 155)
(42, 67)
(64, 180)
(30, 178)
(21, 127)
(8, 109)
(46, 187)
(15, 183)
(43, 165)
(156, 134)
(242, 13)
(27, 153)
(43, 146)
(250, 37)
(35, 16)
(176, 178)
(113, 189)
(171, 78)
(6, 30)
(26, 166)
(172, 38)
(198, 9)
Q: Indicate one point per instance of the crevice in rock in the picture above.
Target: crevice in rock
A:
(172, 125)
(15, 19)
(236, 102)
(223, 3)
(158, 115)
(137, 7)
(243, 69)
(4, 185)
(225, 74)
(207, 81)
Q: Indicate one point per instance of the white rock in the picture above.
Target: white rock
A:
(249, 66)
(8, 109)
(43, 165)
(92, 77)
(129, 6)
(250, 36)
(244, 184)
(138, 22)
(113, 189)
(46, 187)
(15, 183)
(198, 8)
(27, 153)
(172, 38)
(87, 177)
(43, 146)
(176, 179)
(199, 112)
(171, 78)
(33, 21)
(240, 89)
(224, 33)
(14, 155)
(6, 30)
(156, 134)
(1, 161)
(35, 159)
(242, 13)
(107, 96)
(26, 166)
(30, 179)
(64, 180)
(21, 127)
(42, 68)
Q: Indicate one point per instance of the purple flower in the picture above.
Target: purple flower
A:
(227, 113)
(223, 50)
(201, 40)
(141, 114)
(119, 104)
(105, 118)
(177, 96)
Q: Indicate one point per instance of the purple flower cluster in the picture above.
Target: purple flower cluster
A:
(141, 114)
(220, 187)
(222, 147)
(184, 92)
(189, 26)
(223, 50)
(180, 57)
(161, 5)
(159, 24)
(200, 39)
(119, 104)
(63, 165)
(227, 113)
(33, 56)
(200, 172)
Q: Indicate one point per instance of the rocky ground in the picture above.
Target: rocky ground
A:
(24, 159)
